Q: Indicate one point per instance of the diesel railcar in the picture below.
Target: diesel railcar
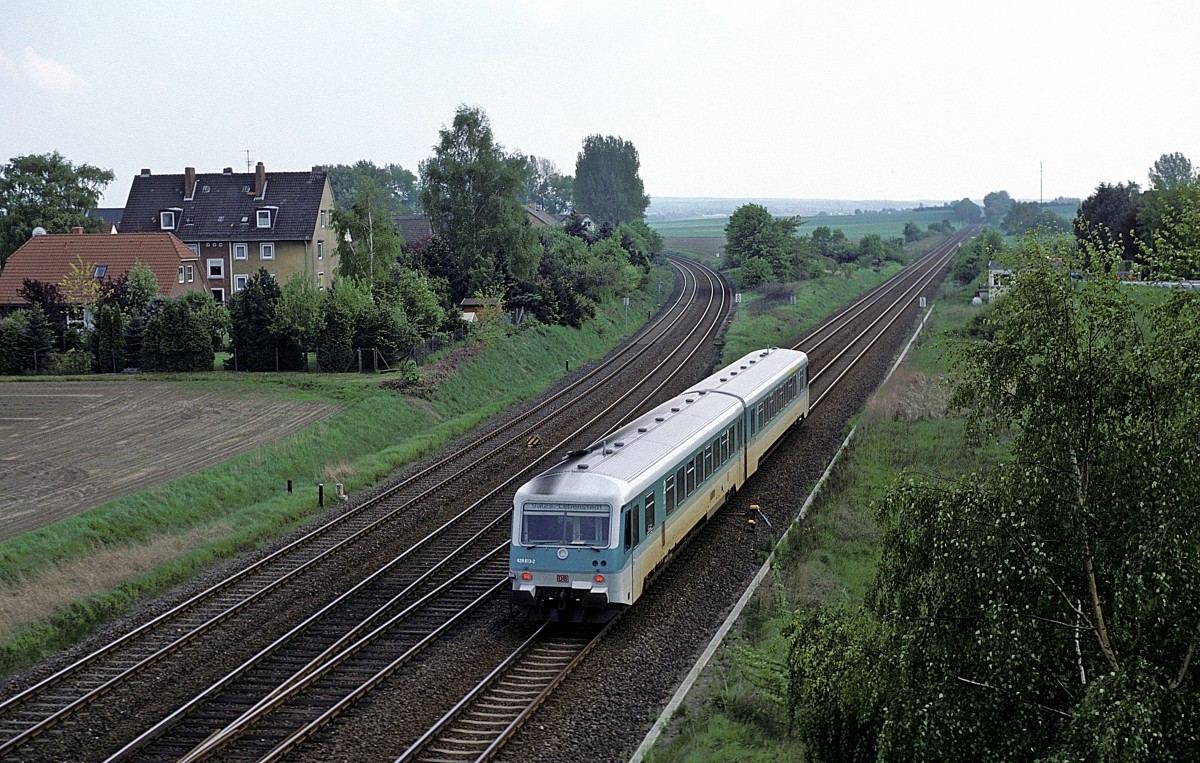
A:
(590, 530)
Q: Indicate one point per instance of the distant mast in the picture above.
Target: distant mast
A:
(1040, 194)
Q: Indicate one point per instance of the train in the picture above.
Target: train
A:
(588, 532)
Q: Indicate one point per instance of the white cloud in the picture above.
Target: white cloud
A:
(6, 64)
(48, 74)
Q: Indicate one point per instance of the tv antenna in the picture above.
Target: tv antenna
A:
(247, 152)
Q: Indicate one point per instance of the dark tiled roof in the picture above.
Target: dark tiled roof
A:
(48, 258)
(540, 216)
(111, 215)
(224, 207)
(413, 227)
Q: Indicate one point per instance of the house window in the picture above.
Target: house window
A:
(181, 274)
(166, 220)
(322, 218)
(101, 270)
(321, 280)
(218, 296)
(320, 250)
(216, 268)
(264, 218)
(266, 251)
(241, 251)
(194, 247)
(191, 273)
(239, 282)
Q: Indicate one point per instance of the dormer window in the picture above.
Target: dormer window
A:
(167, 220)
(264, 218)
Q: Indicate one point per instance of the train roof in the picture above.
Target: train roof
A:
(629, 456)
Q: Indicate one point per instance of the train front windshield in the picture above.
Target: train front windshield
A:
(565, 524)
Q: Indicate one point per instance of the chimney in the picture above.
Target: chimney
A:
(260, 180)
(78, 231)
(189, 181)
(318, 168)
(227, 171)
(145, 172)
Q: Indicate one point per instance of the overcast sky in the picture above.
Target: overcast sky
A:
(839, 99)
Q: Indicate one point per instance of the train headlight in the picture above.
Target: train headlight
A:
(599, 578)
(526, 576)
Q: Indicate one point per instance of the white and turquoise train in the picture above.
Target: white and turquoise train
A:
(590, 530)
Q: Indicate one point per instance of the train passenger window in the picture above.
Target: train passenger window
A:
(669, 494)
(565, 524)
(649, 512)
(680, 495)
(708, 460)
(691, 476)
(724, 447)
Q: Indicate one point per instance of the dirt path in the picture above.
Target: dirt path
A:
(68, 446)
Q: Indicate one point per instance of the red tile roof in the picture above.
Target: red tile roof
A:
(48, 258)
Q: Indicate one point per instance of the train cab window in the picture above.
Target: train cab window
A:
(669, 494)
(691, 477)
(564, 524)
(650, 518)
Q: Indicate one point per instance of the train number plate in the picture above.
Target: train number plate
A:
(564, 578)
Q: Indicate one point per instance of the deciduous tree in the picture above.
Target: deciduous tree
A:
(607, 184)
(470, 190)
(1051, 608)
(48, 191)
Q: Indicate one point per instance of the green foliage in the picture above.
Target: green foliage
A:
(298, 311)
(110, 328)
(49, 191)
(369, 243)
(470, 190)
(1058, 591)
(607, 184)
(547, 188)
(1106, 218)
(973, 257)
(142, 286)
(996, 206)
(256, 347)
(398, 186)
(754, 234)
(177, 337)
(34, 340)
(968, 212)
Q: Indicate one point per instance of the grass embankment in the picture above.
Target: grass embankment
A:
(831, 556)
(59, 583)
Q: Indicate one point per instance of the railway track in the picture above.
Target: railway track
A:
(480, 723)
(27, 715)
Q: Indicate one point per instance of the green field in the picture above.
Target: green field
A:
(887, 225)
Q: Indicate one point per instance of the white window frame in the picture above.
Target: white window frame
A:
(218, 294)
(320, 250)
(322, 218)
(181, 274)
(241, 251)
(191, 271)
(216, 267)
(266, 250)
(239, 282)
(194, 247)
(166, 220)
(321, 280)
(263, 214)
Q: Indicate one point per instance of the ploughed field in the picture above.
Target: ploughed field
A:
(68, 446)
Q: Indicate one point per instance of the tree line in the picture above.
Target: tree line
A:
(387, 294)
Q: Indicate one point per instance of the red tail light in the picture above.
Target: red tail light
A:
(599, 578)
(526, 576)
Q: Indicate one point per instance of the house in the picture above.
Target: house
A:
(238, 222)
(49, 257)
(472, 305)
(413, 228)
(999, 278)
(539, 218)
